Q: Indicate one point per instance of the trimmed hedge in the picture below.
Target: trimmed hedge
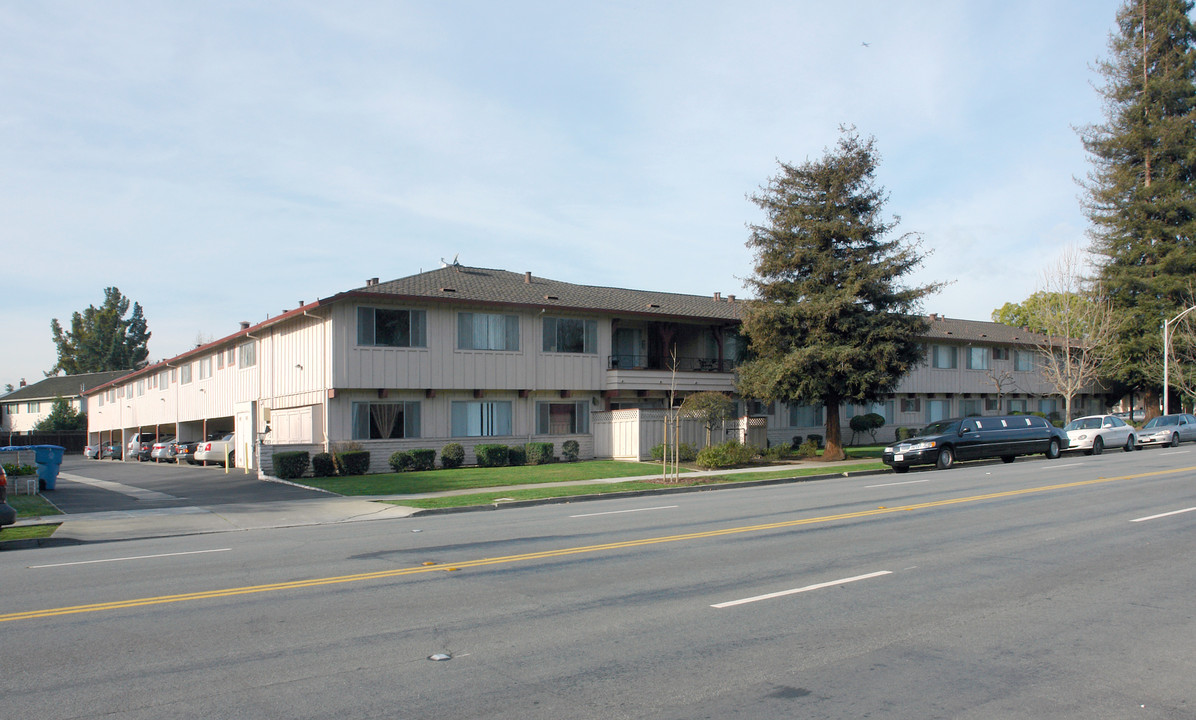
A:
(292, 464)
(354, 462)
(815, 438)
(728, 454)
(685, 452)
(539, 453)
(401, 461)
(808, 449)
(451, 456)
(322, 465)
(516, 455)
(491, 455)
(423, 459)
(569, 450)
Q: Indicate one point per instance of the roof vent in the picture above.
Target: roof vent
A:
(447, 289)
(653, 305)
(244, 324)
(551, 297)
(371, 282)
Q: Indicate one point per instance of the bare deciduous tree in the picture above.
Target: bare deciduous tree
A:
(1078, 328)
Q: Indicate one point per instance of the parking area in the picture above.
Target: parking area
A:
(107, 485)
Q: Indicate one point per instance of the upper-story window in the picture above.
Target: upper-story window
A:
(248, 354)
(185, 374)
(230, 356)
(943, 356)
(163, 379)
(570, 335)
(1023, 360)
(140, 388)
(485, 331)
(978, 358)
(33, 407)
(205, 368)
(388, 327)
(1000, 353)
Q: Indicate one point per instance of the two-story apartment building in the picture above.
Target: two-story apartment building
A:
(29, 404)
(474, 355)
(457, 354)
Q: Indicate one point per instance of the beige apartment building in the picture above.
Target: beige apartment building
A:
(474, 355)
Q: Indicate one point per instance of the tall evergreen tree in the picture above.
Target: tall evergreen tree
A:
(102, 338)
(1141, 192)
(831, 323)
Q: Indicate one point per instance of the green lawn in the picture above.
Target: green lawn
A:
(472, 477)
(28, 532)
(31, 506)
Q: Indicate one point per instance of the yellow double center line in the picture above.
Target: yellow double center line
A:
(383, 574)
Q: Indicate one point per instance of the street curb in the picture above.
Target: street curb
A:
(643, 493)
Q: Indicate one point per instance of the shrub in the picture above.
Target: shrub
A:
(808, 449)
(815, 438)
(291, 464)
(341, 448)
(685, 452)
(451, 456)
(322, 465)
(905, 433)
(778, 452)
(869, 423)
(491, 455)
(539, 453)
(14, 470)
(401, 461)
(516, 455)
(353, 462)
(423, 459)
(728, 454)
(569, 450)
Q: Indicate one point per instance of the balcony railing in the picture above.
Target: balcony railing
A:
(684, 364)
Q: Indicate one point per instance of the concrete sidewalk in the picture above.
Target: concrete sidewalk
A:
(333, 509)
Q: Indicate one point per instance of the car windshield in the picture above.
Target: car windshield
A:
(1083, 424)
(942, 427)
(1163, 420)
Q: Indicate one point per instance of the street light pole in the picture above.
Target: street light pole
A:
(1167, 358)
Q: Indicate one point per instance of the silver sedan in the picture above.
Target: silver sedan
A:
(1168, 430)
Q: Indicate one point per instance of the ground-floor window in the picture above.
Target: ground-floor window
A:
(805, 416)
(385, 421)
(1017, 406)
(571, 418)
(884, 409)
(937, 410)
(481, 418)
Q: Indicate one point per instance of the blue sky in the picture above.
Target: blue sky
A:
(224, 161)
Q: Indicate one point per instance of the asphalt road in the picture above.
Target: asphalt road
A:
(1032, 590)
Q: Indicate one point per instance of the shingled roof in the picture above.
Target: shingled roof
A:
(66, 386)
(457, 283)
(945, 328)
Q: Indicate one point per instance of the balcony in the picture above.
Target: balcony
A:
(684, 364)
(644, 373)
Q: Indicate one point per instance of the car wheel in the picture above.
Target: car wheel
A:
(1129, 444)
(1052, 452)
(232, 459)
(1175, 440)
(1098, 445)
(946, 458)
(900, 468)
(1007, 458)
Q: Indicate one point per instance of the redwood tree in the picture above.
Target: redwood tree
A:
(831, 322)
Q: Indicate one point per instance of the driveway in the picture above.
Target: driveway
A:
(86, 486)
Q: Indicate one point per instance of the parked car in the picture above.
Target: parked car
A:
(1093, 433)
(8, 515)
(214, 450)
(92, 452)
(185, 450)
(141, 445)
(1168, 430)
(110, 451)
(1004, 436)
(163, 449)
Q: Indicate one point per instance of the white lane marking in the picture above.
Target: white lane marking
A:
(1053, 467)
(134, 557)
(807, 588)
(617, 512)
(1174, 452)
(904, 482)
(1162, 515)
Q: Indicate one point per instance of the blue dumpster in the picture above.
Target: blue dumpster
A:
(49, 458)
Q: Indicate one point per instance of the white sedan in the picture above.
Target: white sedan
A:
(1094, 433)
(215, 450)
